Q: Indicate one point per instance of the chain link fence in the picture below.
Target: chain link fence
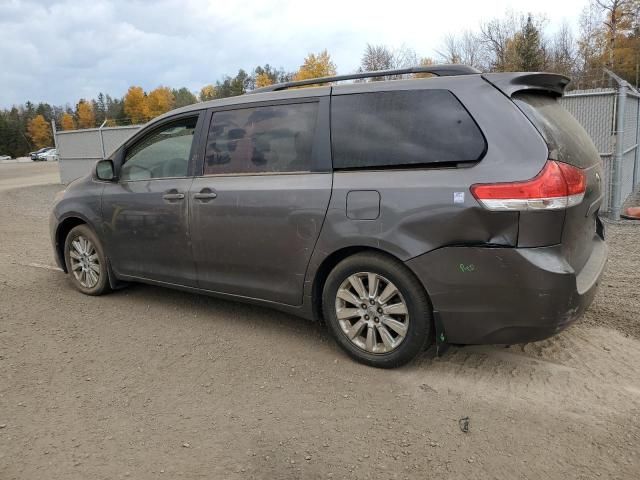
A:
(78, 150)
(611, 116)
(631, 155)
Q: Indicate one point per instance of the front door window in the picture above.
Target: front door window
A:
(163, 153)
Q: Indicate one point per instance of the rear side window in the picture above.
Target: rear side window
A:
(402, 128)
(275, 138)
(566, 139)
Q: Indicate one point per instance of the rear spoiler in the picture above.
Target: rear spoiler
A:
(510, 83)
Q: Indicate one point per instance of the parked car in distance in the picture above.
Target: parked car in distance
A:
(49, 156)
(35, 155)
(461, 208)
(5, 157)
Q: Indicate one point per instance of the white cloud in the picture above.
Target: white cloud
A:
(61, 50)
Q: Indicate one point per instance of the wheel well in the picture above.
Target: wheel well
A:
(61, 234)
(325, 268)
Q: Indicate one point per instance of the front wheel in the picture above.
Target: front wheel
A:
(85, 261)
(377, 310)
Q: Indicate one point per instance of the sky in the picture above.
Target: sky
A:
(59, 51)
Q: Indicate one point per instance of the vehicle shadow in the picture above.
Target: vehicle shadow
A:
(157, 305)
(210, 309)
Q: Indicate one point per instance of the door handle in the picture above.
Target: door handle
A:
(205, 195)
(173, 196)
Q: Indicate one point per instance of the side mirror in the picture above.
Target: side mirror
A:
(105, 171)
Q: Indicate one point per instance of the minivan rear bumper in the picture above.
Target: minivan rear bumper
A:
(507, 295)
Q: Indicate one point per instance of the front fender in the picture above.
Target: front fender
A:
(81, 203)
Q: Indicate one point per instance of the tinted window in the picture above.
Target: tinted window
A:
(276, 138)
(565, 137)
(163, 153)
(387, 129)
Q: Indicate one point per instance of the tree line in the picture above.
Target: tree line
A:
(608, 37)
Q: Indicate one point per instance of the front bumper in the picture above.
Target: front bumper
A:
(507, 295)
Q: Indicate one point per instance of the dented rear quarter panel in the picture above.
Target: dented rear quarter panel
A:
(417, 209)
(501, 295)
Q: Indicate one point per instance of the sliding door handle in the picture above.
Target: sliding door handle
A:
(205, 194)
(173, 196)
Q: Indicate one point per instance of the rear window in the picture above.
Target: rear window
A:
(566, 139)
(402, 128)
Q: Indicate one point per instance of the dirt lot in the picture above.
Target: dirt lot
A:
(14, 175)
(153, 383)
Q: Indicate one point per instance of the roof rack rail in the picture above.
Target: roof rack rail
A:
(438, 70)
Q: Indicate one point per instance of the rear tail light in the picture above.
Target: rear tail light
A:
(557, 186)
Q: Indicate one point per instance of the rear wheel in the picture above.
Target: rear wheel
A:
(377, 310)
(85, 261)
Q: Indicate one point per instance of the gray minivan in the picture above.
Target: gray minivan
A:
(460, 208)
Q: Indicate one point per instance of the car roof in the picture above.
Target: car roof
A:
(251, 98)
(306, 92)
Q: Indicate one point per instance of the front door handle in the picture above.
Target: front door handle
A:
(205, 194)
(173, 196)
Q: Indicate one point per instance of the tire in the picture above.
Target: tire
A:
(86, 262)
(389, 337)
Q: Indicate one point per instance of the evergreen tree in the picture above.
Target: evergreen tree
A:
(99, 108)
(46, 111)
(233, 86)
(239, 83)
(528, 48)
(115, 110)
(183, 97)
(29, 110)
(13, 139)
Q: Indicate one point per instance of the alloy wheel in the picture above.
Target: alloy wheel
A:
(372, 312)
(85, 263)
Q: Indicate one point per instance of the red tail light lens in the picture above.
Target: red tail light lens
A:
(558, 185)
(575, 178)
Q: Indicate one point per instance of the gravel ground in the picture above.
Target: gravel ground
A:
(153, 383)
(14, 175)
(618, 302)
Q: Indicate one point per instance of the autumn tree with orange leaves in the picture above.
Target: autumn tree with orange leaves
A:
(85, 116)
(159, 101)
(39, 131)
(316, 66)
(263, 80)
(67, 122)
(608, 35)
(135, 105)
